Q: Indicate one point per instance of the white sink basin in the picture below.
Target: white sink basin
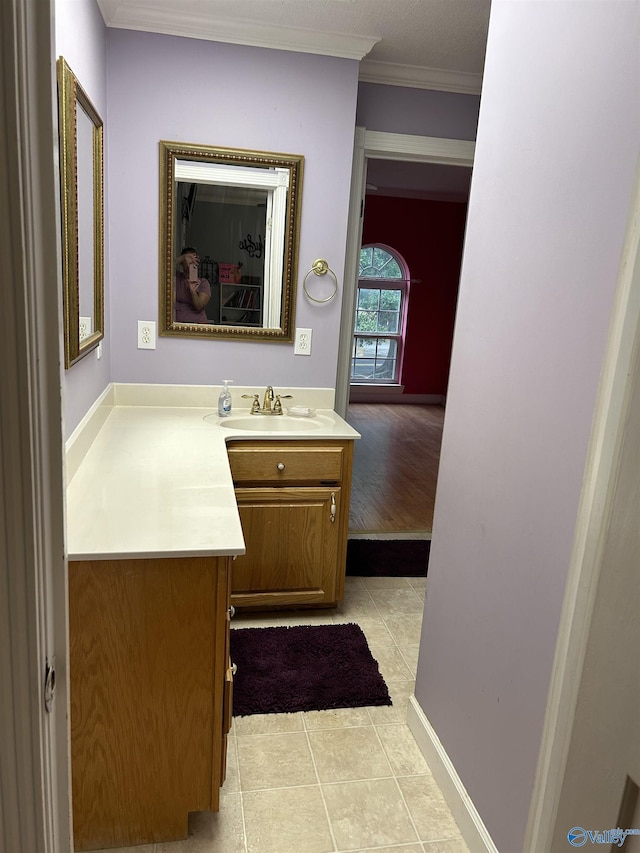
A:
(271, 423)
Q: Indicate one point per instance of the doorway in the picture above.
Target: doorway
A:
(396, 460)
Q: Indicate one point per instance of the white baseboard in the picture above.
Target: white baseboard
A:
(392, 394)
(394, 535)
(466, 815)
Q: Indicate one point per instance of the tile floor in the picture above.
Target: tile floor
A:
(345, 780)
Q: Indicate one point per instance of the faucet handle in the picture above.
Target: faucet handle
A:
(255, 405)
(277, 406)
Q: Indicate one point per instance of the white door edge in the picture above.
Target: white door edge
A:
(584, 571)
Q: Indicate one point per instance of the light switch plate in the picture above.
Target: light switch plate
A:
(302, 344)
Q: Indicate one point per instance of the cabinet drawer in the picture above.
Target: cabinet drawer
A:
(279, 462)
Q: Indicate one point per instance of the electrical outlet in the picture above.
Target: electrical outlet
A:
(302, 344)
(146, 334)
(84, 328)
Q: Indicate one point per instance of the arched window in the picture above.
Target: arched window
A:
(383, 289)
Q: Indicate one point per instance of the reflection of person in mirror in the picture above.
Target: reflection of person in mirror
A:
(192, 292)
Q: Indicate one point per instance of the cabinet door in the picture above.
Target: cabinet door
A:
(148, 652)
(291, 538)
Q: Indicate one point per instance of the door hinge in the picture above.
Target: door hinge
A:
(49, 684)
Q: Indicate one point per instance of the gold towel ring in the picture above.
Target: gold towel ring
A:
(320, 267)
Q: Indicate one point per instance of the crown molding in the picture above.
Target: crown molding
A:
(419, 149)
(419, 77)
(420, 195)
(170, 22)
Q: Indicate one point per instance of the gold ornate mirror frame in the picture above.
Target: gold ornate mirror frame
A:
(195, 180)
(81, 174)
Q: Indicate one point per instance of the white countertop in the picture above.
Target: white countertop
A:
(154, 480)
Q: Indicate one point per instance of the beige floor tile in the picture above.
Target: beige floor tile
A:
(375, 629)
(358, 605)
(397, 848)
(274, 761)
(390, 662)
(400, 691)
(286, 821)
(336, 718)
(410, 655)
(308, 617)
(344, 754)
(419, 584)
(248, 622)
(398, 602)
(273, 619)
(428, 808)
(139, 848)
(406, 629)
(262, 724)
(210, 833)
(366, 814)
(373, 584)
(232, 779)
(449, 845)
(254, 620)
(402, 751)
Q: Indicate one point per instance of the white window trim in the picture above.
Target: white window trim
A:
(382, 283)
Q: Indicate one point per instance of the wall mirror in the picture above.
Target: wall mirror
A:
(240, 211)
(81, 178)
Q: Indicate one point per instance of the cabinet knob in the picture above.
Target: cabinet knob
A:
(234, 668)
(281, 466)
(232, 611)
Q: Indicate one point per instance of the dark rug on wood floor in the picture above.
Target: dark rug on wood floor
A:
(304, 668)
(393, 558)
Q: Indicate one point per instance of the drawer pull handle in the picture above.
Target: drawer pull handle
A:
(281, 466)
(234, 668)
(332, 517)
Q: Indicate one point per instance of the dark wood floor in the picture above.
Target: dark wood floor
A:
(395, 467)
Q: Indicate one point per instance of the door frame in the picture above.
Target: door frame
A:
(379, 145)
(34, 743)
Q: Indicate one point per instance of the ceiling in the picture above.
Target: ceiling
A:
(434, 44)
(430, 44)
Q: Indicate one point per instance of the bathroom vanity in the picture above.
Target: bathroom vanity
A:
(293, 498)
(173, 514)
(151, 695)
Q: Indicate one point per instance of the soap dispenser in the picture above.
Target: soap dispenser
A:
(224, 400)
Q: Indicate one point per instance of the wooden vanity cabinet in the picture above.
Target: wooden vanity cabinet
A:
(151, 689)
(293, 499)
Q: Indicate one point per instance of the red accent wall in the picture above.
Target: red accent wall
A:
(429, 235)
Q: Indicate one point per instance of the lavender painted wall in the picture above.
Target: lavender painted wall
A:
(80, 36)
(165, 87)
(557, 145)
(395, 109)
